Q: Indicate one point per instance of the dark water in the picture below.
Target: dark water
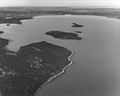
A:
(96, 63)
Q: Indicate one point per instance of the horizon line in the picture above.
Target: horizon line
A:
(85, 6)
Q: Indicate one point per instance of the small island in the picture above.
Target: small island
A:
(33, 66)
(77, 25)
(63, 35)
(78, 31)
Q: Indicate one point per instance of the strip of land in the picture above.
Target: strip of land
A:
(32, 66)
(28, 12)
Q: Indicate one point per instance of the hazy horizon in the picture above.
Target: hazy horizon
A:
(81, 3)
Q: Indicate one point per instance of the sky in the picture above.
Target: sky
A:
(107, 3)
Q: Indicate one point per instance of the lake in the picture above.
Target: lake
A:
(95, 69)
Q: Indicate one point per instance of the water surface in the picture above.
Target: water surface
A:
(96, 64)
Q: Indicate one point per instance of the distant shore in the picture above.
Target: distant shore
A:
(29, 12)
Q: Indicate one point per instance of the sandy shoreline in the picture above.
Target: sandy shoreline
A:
(63, 70)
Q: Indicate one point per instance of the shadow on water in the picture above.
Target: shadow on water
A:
(3, 46)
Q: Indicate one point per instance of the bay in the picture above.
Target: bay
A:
(96, 64)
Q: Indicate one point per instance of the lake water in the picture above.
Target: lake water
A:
(96, 60)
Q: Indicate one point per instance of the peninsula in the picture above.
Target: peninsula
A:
(13, 20)
(32, 66)
(63, 35)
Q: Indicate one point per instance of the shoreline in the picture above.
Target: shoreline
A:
(66, 15)
(63, 71)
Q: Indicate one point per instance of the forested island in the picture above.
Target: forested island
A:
(63, 35)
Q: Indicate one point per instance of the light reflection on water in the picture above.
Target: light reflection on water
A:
(95, 69)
